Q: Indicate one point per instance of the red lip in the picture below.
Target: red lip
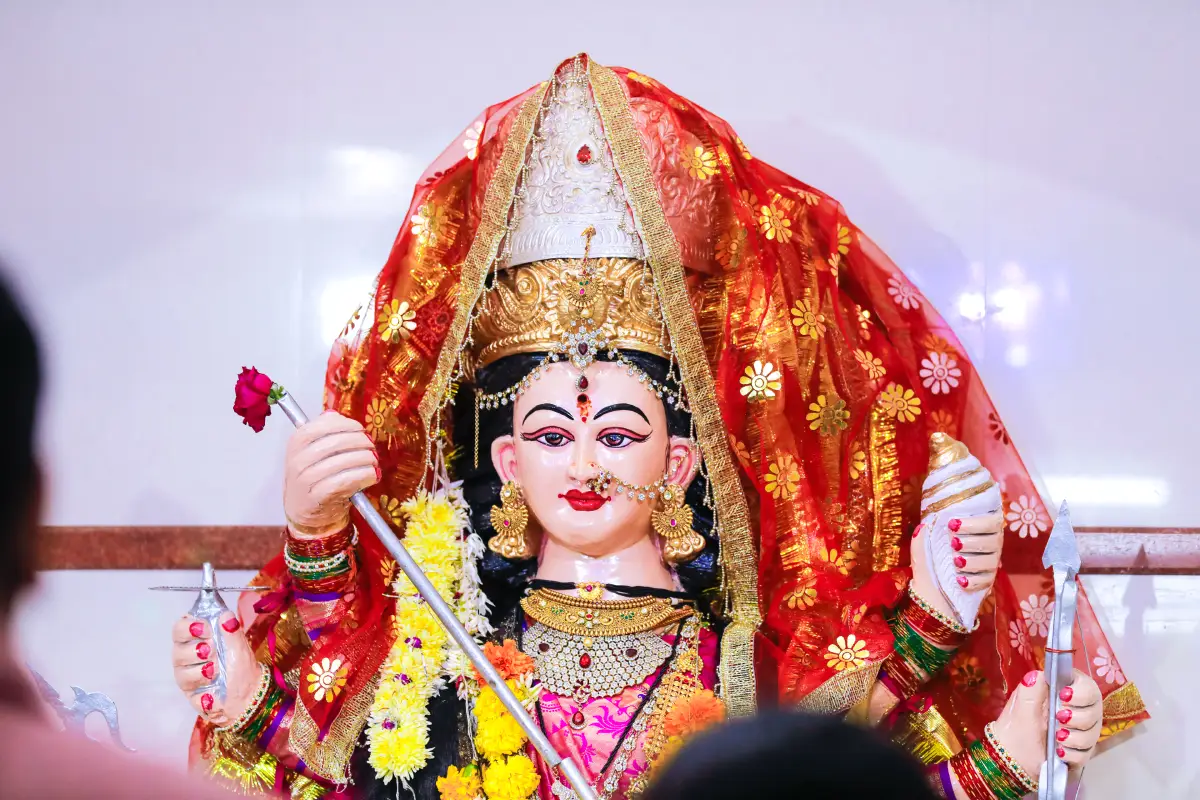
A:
(584, 501)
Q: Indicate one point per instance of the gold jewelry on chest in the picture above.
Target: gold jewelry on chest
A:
(586, 617)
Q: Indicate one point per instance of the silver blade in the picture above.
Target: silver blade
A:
(1061, 549)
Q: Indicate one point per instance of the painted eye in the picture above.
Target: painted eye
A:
(616, 440)
(552, 439)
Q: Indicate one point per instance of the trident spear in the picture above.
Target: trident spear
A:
(570, 770)
(1061, 556)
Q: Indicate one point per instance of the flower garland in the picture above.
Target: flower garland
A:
(507, 773)
(440, 540)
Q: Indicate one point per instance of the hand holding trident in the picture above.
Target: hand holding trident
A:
(1061, 556)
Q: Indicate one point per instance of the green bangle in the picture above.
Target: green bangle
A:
(914, 648)
(993, 774)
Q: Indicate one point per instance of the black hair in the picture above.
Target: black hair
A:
(18, 466)
(785, 754)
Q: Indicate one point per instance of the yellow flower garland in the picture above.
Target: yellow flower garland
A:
(398, 725)
(508, 774)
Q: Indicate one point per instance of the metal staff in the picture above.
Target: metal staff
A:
(569, 768)
(1061, 556)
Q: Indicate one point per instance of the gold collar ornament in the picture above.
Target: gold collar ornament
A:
(593, 618)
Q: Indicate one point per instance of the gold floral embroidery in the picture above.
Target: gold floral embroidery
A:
(841, 560)
(774, 224)
(640, 78)
(864, 322)
(326, 680)
(870, 364)
(471, 140)
(387, 568)
(900, 403)
(701, 164)
(858, 464)
(750, 199)
(741, 146)
(835, 264)
(942, 422)
(743, 455)
(810, 198)
(761, 381)
(966, 672)
(731, 246)
(381, 421)
(677, 104)
(936, 344)
(847, 652)
(389, 507)
(723, 157)
(782, 478)
(828, 417)
(843, 240)
(397, 321)
(803, 596)
(809, 321)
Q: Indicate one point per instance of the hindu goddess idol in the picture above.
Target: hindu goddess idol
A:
(677, 441)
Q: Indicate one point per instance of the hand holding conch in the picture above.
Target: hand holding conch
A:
(956, 549)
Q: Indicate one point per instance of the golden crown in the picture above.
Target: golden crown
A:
(571, 306)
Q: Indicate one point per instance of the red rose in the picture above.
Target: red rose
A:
(253, 398)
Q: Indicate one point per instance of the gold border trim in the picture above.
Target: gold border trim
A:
(738, 558)
(885, 484)
(493, 222)
(1124, 703)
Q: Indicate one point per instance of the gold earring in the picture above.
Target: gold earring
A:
(674, 524)
(509, 522)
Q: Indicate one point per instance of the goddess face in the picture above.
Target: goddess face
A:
(560, 441)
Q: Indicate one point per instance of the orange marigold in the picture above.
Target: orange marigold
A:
(693, 714)
(510, 662)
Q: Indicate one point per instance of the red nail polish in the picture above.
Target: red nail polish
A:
(203, 651)
(231, 624)
(917, 532)
(954, 525)
(1062, 734)
(956, 543)
(1061, 753)
(196, 629)
(1063, 716)
(962, 581)
(960, 562)
(1030, 678)
(1066, 694)
(378, 473)
(208, 670)
(206, 701)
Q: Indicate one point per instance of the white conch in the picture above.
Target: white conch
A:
(957, 487)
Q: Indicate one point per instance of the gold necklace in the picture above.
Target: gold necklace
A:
(588, 617)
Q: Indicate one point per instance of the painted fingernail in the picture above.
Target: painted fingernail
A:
(962, 581)
(954, 525)
(203, 651)
(1063, 716)
(206, 701)
(960, 562)
(231, 624)
(1062, 734)
(1061, 753)
(196, 629)
(208, 670)
(1066, 694)
(917, 532)
(956, 543)
(378, 473)
(1030, 678)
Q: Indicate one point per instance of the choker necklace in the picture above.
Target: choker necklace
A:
(592, 617)
(594, 591)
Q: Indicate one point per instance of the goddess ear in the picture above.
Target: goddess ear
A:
(504, 458)
(683, 461)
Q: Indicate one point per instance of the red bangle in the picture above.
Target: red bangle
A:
(323, 547)
(906, 679)
(969, 778)
(930, 627)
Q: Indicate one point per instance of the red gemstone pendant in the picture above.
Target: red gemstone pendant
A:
(584, 155)
(585, 661)
(577, 720)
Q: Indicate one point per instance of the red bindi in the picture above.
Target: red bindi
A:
(584, 404)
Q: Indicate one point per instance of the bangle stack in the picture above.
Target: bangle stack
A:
(320, 565)
(987, 772)
(925, 642)
(931, 623)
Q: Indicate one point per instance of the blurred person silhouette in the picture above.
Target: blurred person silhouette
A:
(36, 759)
(786, 754)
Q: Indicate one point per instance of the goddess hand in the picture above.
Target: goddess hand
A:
(1021, 727)
(195, 660)
(328, 459)
(977, 543)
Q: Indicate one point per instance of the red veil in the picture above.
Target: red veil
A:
(816, 464)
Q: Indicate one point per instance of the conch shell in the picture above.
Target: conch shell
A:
(957, 487)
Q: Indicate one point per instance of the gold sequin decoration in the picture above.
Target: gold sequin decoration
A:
(885, 478)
